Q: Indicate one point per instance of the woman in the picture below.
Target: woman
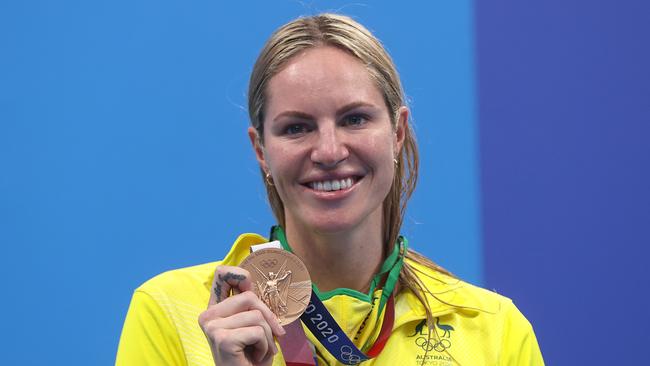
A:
(331, 134)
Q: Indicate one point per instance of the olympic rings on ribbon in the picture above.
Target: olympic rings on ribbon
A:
(349, 357)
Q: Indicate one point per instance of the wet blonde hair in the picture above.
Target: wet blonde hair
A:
(346, 34)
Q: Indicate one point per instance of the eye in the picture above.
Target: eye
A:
(295, 129)
(355, 120)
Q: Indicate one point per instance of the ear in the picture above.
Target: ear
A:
(256, 143)
(400, 129)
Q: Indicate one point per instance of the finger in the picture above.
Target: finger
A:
(253, 336)
(227, 278)
(246, 319)
(229, 345)
(245, 301)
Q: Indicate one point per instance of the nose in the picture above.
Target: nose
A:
(329, 149)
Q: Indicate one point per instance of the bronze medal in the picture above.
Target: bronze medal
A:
(281, 280)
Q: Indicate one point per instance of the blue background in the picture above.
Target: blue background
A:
(123, 154)
(565, 165)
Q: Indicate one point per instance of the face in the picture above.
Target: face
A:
(328, 142)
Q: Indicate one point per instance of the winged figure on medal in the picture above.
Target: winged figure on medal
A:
(277, 291)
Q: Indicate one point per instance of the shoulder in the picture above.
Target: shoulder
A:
(191, 285)
(456, 293)
(446, 294)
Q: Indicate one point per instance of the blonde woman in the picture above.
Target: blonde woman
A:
(330, 130)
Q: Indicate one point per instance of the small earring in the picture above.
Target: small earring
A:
(395, 161)
(269, 179)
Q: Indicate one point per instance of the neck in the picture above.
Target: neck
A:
(348, 259)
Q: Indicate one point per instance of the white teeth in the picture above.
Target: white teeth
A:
(331, 185)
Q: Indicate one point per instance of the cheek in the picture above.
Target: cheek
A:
(380, 147)
(273, 155)
(380, 151)
(283, 162)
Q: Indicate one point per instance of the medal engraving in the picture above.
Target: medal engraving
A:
(281, 280)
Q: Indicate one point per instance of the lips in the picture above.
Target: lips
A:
(331, 185)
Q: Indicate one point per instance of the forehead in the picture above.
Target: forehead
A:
(326, 75)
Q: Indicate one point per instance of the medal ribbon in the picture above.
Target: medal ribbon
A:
(325, 328)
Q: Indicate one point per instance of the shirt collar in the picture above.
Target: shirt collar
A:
(445, 294)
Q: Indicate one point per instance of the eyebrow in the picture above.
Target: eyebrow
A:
(341, 111)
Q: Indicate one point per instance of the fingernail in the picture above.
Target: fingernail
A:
(282, 331)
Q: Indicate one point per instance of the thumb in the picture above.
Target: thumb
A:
(227, 280)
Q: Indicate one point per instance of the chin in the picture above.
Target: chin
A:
(332, 227)
(332, 223)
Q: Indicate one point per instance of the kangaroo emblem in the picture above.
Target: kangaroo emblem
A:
(446, 328)
(418, 328)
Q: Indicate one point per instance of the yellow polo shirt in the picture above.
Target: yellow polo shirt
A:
(473, 326)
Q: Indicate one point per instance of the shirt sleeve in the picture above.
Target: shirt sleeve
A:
(148, 336)
(519, 343)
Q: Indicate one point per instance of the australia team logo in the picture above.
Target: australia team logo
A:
(442, 343)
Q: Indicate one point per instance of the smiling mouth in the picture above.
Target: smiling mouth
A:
(333, 185)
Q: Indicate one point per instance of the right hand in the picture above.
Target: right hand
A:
(239, 328)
